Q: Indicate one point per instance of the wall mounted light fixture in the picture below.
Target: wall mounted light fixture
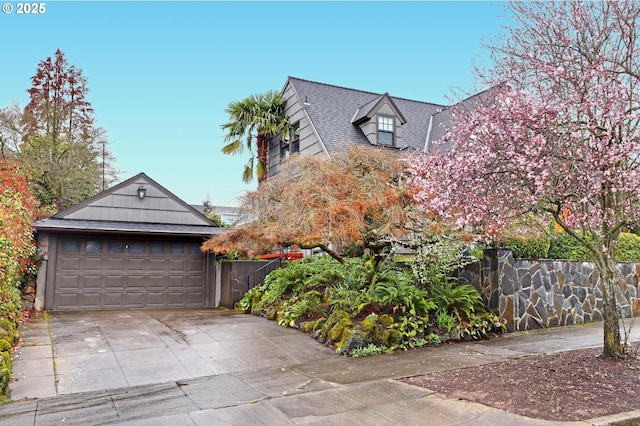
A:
(141, 191)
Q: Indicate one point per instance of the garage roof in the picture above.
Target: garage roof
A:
(121, 209)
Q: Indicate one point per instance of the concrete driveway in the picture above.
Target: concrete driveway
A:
(209, 367)
(87, 351)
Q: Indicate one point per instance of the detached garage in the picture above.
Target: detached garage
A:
(135, 245)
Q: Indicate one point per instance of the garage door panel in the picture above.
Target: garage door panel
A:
(194, 281)
(156, 298)
(113, 299)
(196, 265)
(91, 264)
(103, 273)
(177, 265)
(66, 300)
(135, 299)
(68, 282)
(157, 265)
(175, 299)
(176, 282)
(114, 264)
(135, 281)
(90, 300)
(155, 282)
(195, 298)
(90, 282)
(113, 282)
(136, 264)
(69, 263)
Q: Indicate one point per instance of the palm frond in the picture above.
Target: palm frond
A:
(234, 148)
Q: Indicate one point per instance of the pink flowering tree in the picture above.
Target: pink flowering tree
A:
(556, 138)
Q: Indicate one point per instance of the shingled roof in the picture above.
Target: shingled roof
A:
(333, 109)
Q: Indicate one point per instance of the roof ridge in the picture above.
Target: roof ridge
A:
(366, 91)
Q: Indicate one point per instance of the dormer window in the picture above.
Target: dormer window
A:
(385, 130)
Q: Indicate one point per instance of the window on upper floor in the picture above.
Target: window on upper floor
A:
(385, 130)
(295, 138)
(291, 143)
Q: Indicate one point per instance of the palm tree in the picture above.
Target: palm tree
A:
(258, 116)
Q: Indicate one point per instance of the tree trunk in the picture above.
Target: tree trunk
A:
(608, 274)
(324, 248)
(262, 146)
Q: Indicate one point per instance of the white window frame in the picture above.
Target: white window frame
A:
(386, 125)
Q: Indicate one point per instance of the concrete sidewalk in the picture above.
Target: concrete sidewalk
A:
(201, 367)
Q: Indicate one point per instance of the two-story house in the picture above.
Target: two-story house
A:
(324, 118)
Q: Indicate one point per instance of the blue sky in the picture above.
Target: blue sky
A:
(161, 74)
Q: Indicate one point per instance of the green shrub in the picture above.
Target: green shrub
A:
(363, 303)
(480, 326)
(446, 322)
(628, 248)
(292, 310)
(528, 248)
(436, 262)
(564, 246)
(458, 301)
(297, 277)
(396, 292)
(368, 350)
(434, 339)
(411, 329)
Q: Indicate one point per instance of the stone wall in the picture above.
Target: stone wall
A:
(533, 294)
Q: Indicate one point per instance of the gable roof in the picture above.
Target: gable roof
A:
(333, 109)
(366, 112)
(119, 209)
(444, 118)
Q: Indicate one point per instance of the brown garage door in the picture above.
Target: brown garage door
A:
(120, 273)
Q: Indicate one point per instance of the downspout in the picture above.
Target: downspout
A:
(426, 142)
(41, 277)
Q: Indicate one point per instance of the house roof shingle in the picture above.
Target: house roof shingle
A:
(333, 109)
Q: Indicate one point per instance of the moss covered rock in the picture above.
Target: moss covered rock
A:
(351, 340)
(307, 326)
(8, 330)
(272, 312)
(6, 359)
(336, 325)
(333, 319)
(336, 332)
(395, 337)
(369, 325)
(5, 377)
(319, 323)
(386, 320)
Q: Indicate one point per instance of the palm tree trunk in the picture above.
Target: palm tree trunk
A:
(262, 145)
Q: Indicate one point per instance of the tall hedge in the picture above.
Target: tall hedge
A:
(561, 245)
(18, 210)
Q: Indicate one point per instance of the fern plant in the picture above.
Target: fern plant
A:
(456, 300)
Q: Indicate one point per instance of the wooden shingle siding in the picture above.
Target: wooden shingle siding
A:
(309, 142)
(124, 205)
